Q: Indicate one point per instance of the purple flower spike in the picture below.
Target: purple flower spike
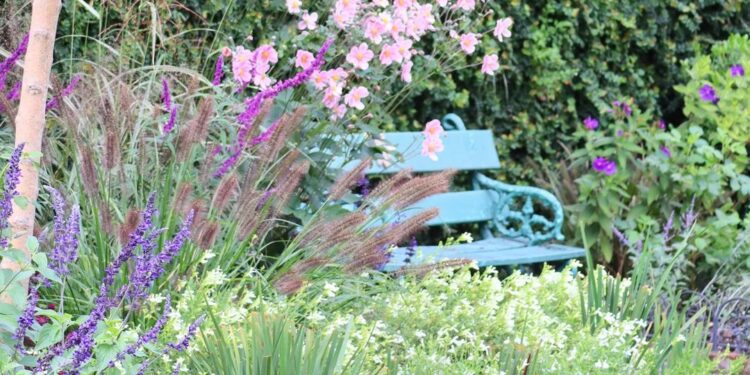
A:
(661, 124)
(170, 123)
(737, 70)
(266, 135)
(166, 95)
(254, 104)
(708, 94)
(604, 165)
(11, 179)
(590, 123)
(183, 344)
(8, 64)
(66, 233)
(219, 70)
(53, 103)
(26, 320)
(665, 151)
(148, 337)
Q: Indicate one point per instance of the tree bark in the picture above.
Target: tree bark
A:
(30, 120)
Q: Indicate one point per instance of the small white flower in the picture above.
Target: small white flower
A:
(330, 289)
(315, 316)
(601, 365)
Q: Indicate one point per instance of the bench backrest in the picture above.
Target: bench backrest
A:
(465, 150)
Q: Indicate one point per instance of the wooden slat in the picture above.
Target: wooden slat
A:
(466, 150)
(456, 207)
(494, 252)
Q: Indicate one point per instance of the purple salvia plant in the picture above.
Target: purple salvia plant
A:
(667, 230)
(83, 336)
(620, 237)
(688, 219)
(218, 71)
(10, 181)
(26, 320)
(148, 337)
(253, 106)
(53, 103)
(266, 135)
(166, 95)
(8, 63)
(170, 123)
(183, 344)
(66, 232)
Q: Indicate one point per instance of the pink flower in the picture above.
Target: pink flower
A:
(243, 67)
(360, 56)
(442, 3)
(502, 28)
(262, 80)
(432, 129)
(304, 59)
(490, 64)
(390, 54)
(402, 4)
(309, 21)
(331, 98)
(374, 30)
(266, 55)
(293, 6)
(404, 48)
(354, 97)
(431, 147)
(336, 78)
(406, 71)
(468, 43)
(226, 52)
(320, 79)
(466, 4)
(338, 112)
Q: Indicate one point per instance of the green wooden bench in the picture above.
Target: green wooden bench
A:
(518, 222)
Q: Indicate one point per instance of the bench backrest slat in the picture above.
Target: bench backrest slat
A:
(466, 150)
(457, 207)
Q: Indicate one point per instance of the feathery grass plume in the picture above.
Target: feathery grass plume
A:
(339, 231)
(182, 199)
(324, 225)
(88, 171)
(346, 181)
(386, 186)
(246, 215)
(224, 192)
(106, 217)
(126, 99)
(289, 183)
(379, 239)
(308, 264)
(289, 283)
(422, 270)
(196, 130)
(371, 259)
(132, 219)
(421, 187)
(198, 207)
(208, 235)
(112, 152)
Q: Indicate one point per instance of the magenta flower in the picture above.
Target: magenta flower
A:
(708, 94)
(665, 151)
(218, 71)
(590, 123)
(737, 70)
(661, 124)
(604, 165)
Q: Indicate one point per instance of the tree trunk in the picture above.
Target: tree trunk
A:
(30, 120)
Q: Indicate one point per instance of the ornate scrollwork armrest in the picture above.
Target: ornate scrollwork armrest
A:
(517, 211)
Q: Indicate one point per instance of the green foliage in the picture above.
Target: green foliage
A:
(703, 160)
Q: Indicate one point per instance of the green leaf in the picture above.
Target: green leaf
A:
(32, 245)
(50, 334)
(21, 201)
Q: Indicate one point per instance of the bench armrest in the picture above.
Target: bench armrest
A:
(517, 211)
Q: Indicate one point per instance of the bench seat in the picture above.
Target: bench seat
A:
(491, 252)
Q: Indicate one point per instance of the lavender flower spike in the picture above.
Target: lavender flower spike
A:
(148, 337)
(66, 235)
(218, 71)
(8, 63)
(253, 106)
(11, 179)
(183, 344)
(26, 320)
(170, 123)
(53, 103)
(166, 95)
